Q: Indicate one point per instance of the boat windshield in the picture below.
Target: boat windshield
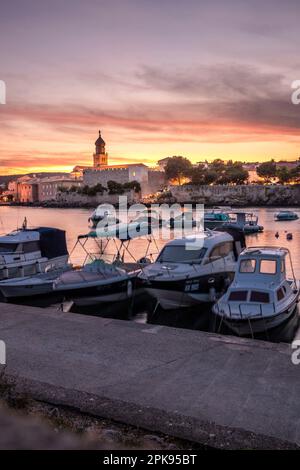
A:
(179, 254)
(8, 247)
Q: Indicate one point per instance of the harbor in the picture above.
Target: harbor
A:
(195, 345)
(147, 278)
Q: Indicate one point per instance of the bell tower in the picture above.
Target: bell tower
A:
(100, 156)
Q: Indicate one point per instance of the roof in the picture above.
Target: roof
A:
(207, 237)
(265, 252)
(107, 167)
(99, 141)
(30, 234)
(57, 179)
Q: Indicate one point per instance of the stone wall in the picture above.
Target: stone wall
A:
(244, 195)
(93, 177)
(81, 200)
(156, 182)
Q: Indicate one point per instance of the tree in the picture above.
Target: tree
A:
(115, 188)
(267, 170)
(178, 168)
(200, 175)
(284, 175)
(235, 173)
(135, 185)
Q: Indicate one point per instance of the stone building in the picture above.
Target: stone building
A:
(29, 190)
(118, 173)
(101, 172)
(50, 187)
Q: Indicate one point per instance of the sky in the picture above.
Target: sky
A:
(202, 79)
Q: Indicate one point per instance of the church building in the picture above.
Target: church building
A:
(101, 172)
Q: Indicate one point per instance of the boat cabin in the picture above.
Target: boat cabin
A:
(26, 252)
(205, 248)
(260, 284)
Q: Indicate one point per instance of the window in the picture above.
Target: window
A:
(247, 266)
(8, 247)
(267, 266)
(280, 294)
(179, 254)
(238, 295)
(220, 251)
(261, 297)
(29, 247)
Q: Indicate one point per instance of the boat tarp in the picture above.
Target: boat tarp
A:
(52, 242)
(121, 231)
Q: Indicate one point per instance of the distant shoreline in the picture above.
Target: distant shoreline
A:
(147, 204)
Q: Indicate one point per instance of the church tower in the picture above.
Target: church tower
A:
(100, 157)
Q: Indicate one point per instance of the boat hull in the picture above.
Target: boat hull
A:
(26, 290)
(172, 294)
(255, 326)
(87, 296)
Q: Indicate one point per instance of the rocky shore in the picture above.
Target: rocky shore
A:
(219, 195)
(239, 196)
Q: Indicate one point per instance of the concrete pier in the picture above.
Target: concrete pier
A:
(217, 390)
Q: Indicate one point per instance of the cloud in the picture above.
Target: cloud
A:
(219, 104)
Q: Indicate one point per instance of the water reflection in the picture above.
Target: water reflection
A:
(75, 222)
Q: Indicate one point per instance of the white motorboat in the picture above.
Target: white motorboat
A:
(261, 297)
(27, 252)
(183, 276)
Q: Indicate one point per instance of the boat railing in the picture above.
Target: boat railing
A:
(239, 308)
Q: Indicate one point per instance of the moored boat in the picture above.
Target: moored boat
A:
(261, 296)
(245, 221)
(27, 252)
(31, 286)
(215, 218)
(185, 275)
(286, 216)
(95, 283)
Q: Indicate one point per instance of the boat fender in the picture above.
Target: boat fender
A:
(212, 290)
(129, 288)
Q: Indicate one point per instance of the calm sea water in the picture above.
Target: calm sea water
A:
(75, 222)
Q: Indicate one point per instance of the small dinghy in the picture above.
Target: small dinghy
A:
(261, 296)
(286, 215)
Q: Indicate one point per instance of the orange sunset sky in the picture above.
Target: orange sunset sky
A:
(200, 79)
